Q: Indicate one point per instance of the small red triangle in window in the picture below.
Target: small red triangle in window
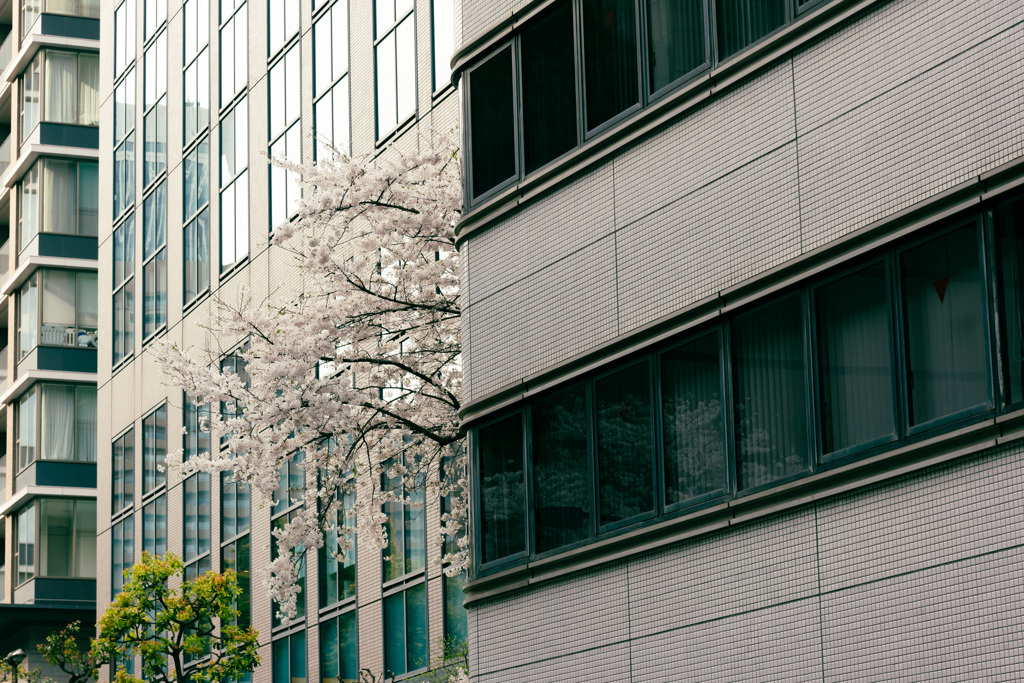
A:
(940, 288)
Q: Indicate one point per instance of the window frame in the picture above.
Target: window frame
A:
(159, 478)
(202, 558)
(37, 167)
(283, 134)
(123, 289)
(233, 182)
(379, 36)
(38, 278)
(129, 504)
(122, 524)
(41, 58)
(36, 390)
(325, 13)
(403, 590)
(981, 223)
(194, 155)
(36, 505)
(467, 125)
(158, 327)
(224, 103)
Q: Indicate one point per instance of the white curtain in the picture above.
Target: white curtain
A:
(58, 420)
(58, 299)
(88, 90)
(60, 206)
(85, 427)
(61, 83)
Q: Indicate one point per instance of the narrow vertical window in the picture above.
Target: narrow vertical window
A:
(154, 527)
(123, 452)
(331, 109)
(676, 40)
(234, 49)
(124, 290)
(339, 658)
(502, 489)
(283, 23)
(561, 468)
(770, 394)
(1010, 241)
(549, 87)
(123, 550)
(154, 256)
(693, 430)
(285, 142)
(407, 530)
(235, 555)
(611, 83)
(944, 301)
(742, 23)
(154, 450)
(289, 659)
(337, 571)
(298, 557)
(405, 630)
(855, 360)
(197, 525)
(492, 123)
(234, 183)
(395, 59)
(124, 36)
(625, 443)
(442, 22)
(196, 241)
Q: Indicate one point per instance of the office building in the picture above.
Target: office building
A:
(742, 342)
(49, 117)
(194, 96)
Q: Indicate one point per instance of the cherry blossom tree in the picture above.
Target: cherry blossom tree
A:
(358, 368)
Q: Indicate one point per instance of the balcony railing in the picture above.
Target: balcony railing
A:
(5, 155)
(6, 51)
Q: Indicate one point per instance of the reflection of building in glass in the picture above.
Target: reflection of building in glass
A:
(754, 411)
(189, 221)
(49, 115)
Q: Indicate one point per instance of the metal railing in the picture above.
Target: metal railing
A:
(6, 51)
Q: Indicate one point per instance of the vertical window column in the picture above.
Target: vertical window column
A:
(154, 261)
(394, 52)
(197, 220)
(235, 545)
(285, 136)
(234, 184)
(124, 290)
(330, 66)
(197, 525)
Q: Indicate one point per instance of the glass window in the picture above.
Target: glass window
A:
(26, 430)
(610, 78)
(405, 630)
(492, 122)
(234, 50)
(339, 657)
(741, 23)
(235, 556)
(197, 255)
(693, 430)
(502, 489)
(443, 24)
(561, 468)
(124, 35)
(548, 76)
(197, 96)
(197, 179)
(770, 394)
(855, 360)
(283, 22)
(406, 529)
(154, 266)
(299, 556)
(123, 457)
(197, 436)
(124, 175)
(456, 629)
(155, 148)
(337, 572)
(67, 422)
(944, 300)
(68, 314)
(67, 538)
(31, 86)
(290, 483)
(289, 655)
(625, 444)
(156, 14)
(70, 88)
(234, 182)
(233, 363)
(26, 549)
(234, 506)
(124, 290)
(197, 26)
(676, 40)
(395, 55)
(154, 449)
(124, 107)
(197, 524)
(122, 535)
(155, 60)
(331, 110)
(284, 96)
(59, 196)
(154, 527)
(285, 190)
(1010, 242)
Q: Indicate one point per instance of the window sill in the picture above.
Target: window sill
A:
(397, 131)
(229, 272)
(403, 582)
(806, 27)
(195, 302)
(337, 608)
(158, 332)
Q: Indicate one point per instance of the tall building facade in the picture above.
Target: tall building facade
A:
(757, 414)
(194, 97)
(49, 193)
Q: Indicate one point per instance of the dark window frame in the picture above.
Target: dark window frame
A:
(153, 259)
(467, 124)
(129, 504)
(980, 219)
(159, 478)
(380, 34)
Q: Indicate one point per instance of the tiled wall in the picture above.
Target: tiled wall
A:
(889, 109)
(917, 578)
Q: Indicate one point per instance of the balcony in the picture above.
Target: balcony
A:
(5, 156)
(6, 51)
(3, 370)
